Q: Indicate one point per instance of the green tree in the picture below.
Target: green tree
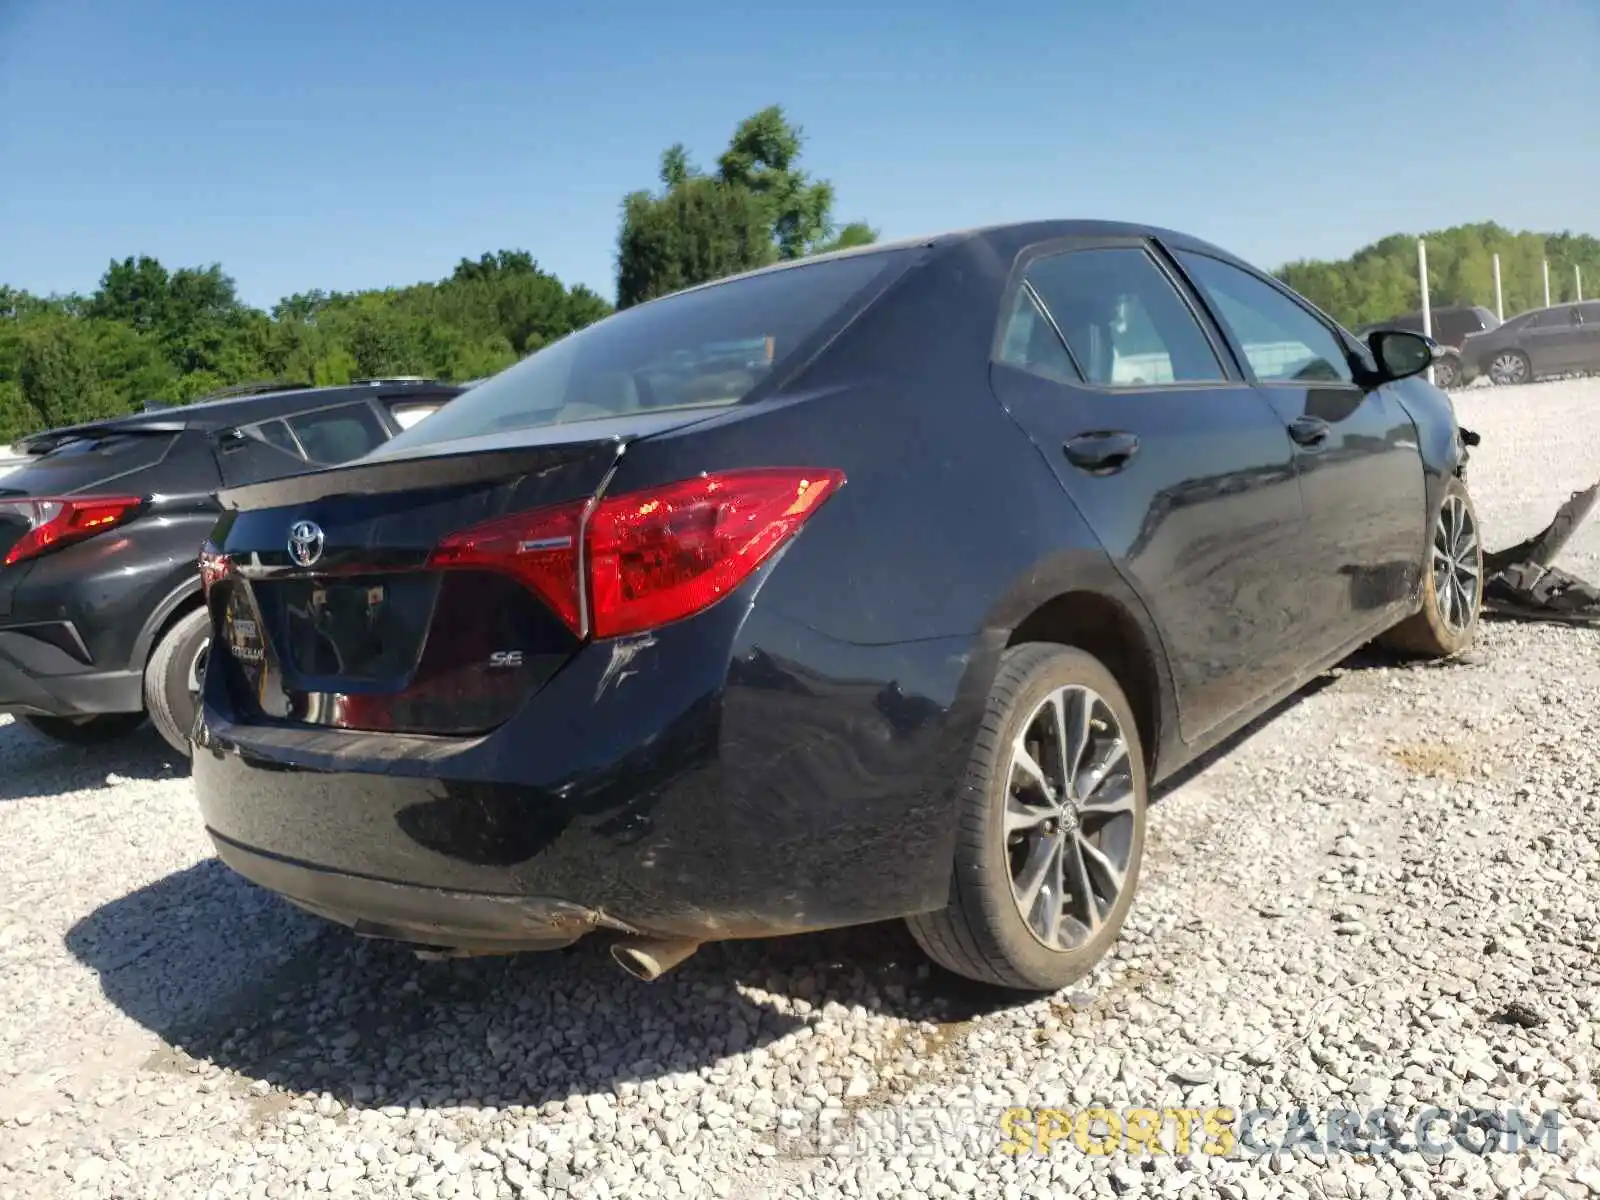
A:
(758, 207)
(148, 333)
(698, 230)
(133, 291)
(56, 373)
(1380, 281)
(302, 306)
(764, 156)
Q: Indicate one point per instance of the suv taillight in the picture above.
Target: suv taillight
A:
(58, 520)
(650, 557)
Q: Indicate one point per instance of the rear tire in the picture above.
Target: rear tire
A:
(172, 677)
(94, 730)
(1452, 583)
(1015, 828)
(1509, 368)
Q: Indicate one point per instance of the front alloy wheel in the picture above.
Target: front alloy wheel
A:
(1451, 586)
(1457, 563)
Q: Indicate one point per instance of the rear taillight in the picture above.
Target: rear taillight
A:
(650, 557)
(540, 548)
(665, 554)
(57, 520)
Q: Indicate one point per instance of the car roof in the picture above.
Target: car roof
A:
(226, 412)
(1012, 235)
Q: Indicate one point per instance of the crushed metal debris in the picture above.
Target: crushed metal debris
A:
(1522, 583)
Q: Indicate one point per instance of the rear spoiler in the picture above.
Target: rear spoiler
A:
(53, 439)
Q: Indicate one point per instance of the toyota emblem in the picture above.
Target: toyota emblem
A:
(305, 542)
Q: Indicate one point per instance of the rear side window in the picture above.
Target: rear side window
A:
(407, 415)
(1123, 322)
(337, 435)
(276, 433)
(1282, 340)
(1031, 343)
(707, 347)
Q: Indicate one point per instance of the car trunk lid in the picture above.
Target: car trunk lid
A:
(335, 611)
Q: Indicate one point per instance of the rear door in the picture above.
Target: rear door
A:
(1552, 340)
(1356, 452)
(1181, 469)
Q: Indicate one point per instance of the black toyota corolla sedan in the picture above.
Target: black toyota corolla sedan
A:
(875, 585)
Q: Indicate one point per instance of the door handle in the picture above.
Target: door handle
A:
(1309, 431)
(1101, 453)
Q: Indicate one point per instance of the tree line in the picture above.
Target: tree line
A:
(148, 334)
(1381, 280)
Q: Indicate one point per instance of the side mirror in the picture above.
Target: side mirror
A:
(1400, 353)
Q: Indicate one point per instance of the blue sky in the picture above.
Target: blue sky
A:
(357, 143)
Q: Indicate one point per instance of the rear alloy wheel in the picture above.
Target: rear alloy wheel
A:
(1510, 367)
(172, 678)
(94, 730)
(1052, 828)
(1452, 583)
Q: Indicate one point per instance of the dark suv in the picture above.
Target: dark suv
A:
(1563, 339)
(1451, 328)
(101, 615)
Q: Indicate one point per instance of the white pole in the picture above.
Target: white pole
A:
(1422, 278)
(1499, 299)
(1577, 277)
(1547, 283)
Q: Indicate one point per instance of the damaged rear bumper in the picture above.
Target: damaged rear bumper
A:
(460, 921)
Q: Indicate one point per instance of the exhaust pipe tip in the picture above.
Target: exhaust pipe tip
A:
(650, 959)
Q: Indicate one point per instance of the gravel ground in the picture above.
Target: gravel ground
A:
(1385, 897)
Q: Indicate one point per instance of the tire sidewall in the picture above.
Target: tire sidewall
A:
(1055, 968)
(1453, 641)
(168, 678)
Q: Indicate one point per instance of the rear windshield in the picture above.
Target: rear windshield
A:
(704, 348)
(85, 462)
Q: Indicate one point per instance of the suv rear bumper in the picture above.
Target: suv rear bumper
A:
(38, 678)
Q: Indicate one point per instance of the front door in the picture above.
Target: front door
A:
(1586, 338)
(1356, 452)
(1181, 469)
